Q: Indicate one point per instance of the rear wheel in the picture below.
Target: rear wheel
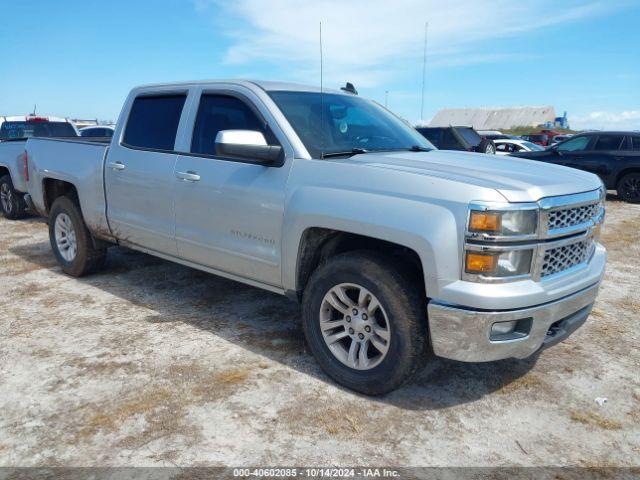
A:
(365, 322)
(629, 188)
(11, 202)
(71, 241)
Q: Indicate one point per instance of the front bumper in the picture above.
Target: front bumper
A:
(465, 334)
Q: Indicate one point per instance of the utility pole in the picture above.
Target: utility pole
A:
(424, 70)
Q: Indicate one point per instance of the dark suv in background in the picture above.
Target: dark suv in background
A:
(458, 138)
(613, 156)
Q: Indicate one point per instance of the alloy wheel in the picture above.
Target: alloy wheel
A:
(355, 326)
(631, 188)
(6, 198)
(65, 236)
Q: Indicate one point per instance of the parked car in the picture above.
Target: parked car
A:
(501, 136)
(496, 135)
(396, 250)
(14, 130)
(457, 138)
(105, 131)
(543, 137)
(613, 156)
(508, 146)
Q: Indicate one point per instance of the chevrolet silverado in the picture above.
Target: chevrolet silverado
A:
(397, 251)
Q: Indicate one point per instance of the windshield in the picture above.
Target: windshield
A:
(343, 123)
(533, 146)
(11, 130)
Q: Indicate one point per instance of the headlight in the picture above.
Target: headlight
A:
(499, 264)
(505, 223)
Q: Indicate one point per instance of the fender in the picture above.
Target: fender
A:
(406, 222)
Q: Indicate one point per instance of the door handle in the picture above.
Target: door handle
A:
(116, 166)
(188, 176)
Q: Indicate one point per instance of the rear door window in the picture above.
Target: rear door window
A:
(635, 141)
(449, 141)
(221, 112)
(153, 122)
(609, 142)
(470, 136)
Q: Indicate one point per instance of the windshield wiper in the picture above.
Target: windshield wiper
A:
(352, 152)
(418, 148)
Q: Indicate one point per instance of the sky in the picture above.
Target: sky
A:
(80, 58)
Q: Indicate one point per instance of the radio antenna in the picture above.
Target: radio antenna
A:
(321, 100)
(424, 70)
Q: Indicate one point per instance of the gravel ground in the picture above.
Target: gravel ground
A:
(150, 363)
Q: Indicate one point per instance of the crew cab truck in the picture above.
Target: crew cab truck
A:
(396, 251)
(14, 131)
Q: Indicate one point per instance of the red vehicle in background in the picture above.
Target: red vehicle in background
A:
(543, 137)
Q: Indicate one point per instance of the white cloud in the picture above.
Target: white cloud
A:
(371, 41)
(627, 120)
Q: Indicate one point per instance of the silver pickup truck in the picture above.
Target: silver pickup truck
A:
(14, 131)
(396, 250)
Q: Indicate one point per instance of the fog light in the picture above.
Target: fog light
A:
(502, 328)
(511, 330)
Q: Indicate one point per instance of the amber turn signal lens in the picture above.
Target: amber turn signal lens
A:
(485, 222)
(481, 262)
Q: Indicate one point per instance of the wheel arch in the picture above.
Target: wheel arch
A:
(318, 244)
(53, 188)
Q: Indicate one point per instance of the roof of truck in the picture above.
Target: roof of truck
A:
(265, 85)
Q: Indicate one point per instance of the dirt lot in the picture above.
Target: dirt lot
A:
(150, 363)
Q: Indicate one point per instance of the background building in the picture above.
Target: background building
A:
(498, 118)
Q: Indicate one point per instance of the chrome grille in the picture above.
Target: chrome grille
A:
(562, 258)
(572, 216)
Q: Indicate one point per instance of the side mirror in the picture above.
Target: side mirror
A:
(247, 145)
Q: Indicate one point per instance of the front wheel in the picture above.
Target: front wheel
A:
(629, 188)
(487, 146)
(11, 202)
(365, 322)
(71, 241)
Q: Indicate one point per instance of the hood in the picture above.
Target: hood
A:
(517, 179)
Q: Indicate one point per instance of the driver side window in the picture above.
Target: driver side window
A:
(576, 144)
(221, 112)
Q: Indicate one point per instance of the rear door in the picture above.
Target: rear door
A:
(604, 154)
(139, 177)
(229, 213)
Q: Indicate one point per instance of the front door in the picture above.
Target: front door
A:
(139, 175)
(572, 152)
(229, 213)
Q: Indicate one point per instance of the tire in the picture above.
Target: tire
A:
(12, 203)
(487, 146)
(67, 229)
(402, 313)
(629, 188)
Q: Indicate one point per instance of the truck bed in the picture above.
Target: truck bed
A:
(78, 161)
